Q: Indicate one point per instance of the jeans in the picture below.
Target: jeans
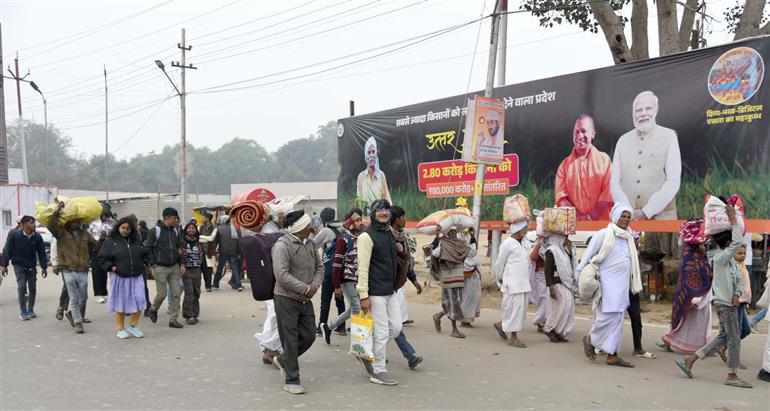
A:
(164, 276)
(728, 337)
(387, 324)
(77, 289)
(406, 349)
(327, 294)
(743, 317)
(758, 317)
(235, 265)
(635, 313)
(354, 302)
(296, 326)
(26, 281)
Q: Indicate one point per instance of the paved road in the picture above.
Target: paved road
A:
(216, 365)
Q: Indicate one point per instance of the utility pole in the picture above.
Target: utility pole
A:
(183, 106)
(3, 135)
(497, 235)
(24, 170)
(106, 142)
(478, 189)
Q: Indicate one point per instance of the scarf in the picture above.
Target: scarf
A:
(694, 281)
(565, 262)
(609, 240)
(453, 250)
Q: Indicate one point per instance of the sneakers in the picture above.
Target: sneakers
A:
(135, 331)
(763, 375)
(367, 366)
(278, 365)
(383, 378)
(100, 299)
(294, 389)
(123, 334)
(79, 328)
(190, 321)
(326, 332)
(175, 324)
(24, 316)
(31, 314)
(414, 361)
(153, 316)
(68, 314)
(59, 314)
(239, 289)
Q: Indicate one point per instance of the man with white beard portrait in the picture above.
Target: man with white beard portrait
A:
(646, 165)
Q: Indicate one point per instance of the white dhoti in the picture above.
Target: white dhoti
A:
(607, 331)
(269, 338)
(401, 294)
(514, 312)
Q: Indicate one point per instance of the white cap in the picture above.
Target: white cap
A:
(493, 115)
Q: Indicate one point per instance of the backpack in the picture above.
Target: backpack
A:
(328, 258)
(157, 232)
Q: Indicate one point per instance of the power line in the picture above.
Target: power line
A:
(101, 123)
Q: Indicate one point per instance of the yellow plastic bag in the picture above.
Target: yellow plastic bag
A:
(44, 212)
(86, 209)
(362, 336)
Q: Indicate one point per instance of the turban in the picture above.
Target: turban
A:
(299, 225)
(618, 210)
(516, 227)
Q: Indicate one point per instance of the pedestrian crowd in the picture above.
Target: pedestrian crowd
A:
(364, 269)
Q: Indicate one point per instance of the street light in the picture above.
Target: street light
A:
(45, 134)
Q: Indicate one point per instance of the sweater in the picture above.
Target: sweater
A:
(728, 280)
(297, 265)
(345, 267)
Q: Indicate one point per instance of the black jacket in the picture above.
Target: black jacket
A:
(384, 263)
(24, 251)
(128, 256)
(164, 249)
(228, 246)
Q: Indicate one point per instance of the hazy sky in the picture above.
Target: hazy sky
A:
(294, 64)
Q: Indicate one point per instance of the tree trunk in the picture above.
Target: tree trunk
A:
(751, 18)
(685, 27)
(612, 26)
(668, 32)
(640, 49)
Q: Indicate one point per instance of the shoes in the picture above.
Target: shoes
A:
(196, 320)
(763, 375)
(216, 287)
(24, 316)
(123, 334)
(31, 314)
(59, 314)
(100, 299)
(68, 314)
(153, 316)
(341, 332)
(266, 358)
(239, 289)
(414, 361)
(175, 324)
(408, 322)
(135, 331)
(146, 313)
(383, 378)
(79, 328)
(294, 389)
(190, 321)
(327, 333)
(86, 321)
(367, 366)
(208, 290)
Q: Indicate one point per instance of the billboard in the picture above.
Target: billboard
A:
(659, 134)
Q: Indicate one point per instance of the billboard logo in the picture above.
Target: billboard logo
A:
(736, 76)
(340, 130)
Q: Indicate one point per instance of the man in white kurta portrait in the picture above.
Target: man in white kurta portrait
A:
(647, 165)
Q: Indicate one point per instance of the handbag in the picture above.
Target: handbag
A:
(362, 336)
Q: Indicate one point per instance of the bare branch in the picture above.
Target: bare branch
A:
(668, 33)
(612, 26)
(640, 48)
(685, 26)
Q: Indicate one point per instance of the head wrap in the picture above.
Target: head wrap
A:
(379, 205)
(372, 142)
(493, 115)
(516, 227)
(299, 225)
(617, 211)
(691, 232)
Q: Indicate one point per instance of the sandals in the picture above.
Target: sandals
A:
(647, 355)
(457, 334)
(588, 349)
(553, 336)
(664, 347)
(500, 331)
(620, 363)
(683, 366)
(437, 323)
(517, 344)
(738, 383)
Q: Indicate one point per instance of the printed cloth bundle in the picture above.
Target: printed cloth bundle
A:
(459, 218)
(558, 220)
(715, 213)
(251, 215)
(516, 209)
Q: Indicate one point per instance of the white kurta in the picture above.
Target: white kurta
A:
(614, 272)
(513, 266)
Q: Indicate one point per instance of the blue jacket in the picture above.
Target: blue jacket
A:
(20, 250)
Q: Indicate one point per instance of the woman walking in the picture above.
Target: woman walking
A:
(124, 257)
(559, 256)
(193, 260)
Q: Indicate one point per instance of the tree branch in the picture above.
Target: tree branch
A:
(640, 48)
(668, 32)
(685, 27)
(748, 25)
(612, 26)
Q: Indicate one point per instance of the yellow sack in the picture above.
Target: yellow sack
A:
(362, 336)
(44, 212)
(87, 209)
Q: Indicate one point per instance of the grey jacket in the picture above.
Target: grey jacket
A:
(728, 280)
(296, 266)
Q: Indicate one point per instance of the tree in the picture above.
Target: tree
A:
(48, 152)
(675, 34)
(313, 158)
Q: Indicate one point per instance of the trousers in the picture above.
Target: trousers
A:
(296, 327)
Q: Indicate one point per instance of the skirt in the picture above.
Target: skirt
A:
(451, 303)
(126, 294)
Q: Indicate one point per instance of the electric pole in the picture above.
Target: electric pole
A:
(183, 107)
(502, 48)
(106, 142)
(24, 171)
(3, 136)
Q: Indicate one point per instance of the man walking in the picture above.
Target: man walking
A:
(377, 266)
(326, 240)
(74, 249)
(298, 273)
(100, 230)
(227, 239)
(613, 250)
(167, 263)
(207, 233)
(512, 270)
(23, 250)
